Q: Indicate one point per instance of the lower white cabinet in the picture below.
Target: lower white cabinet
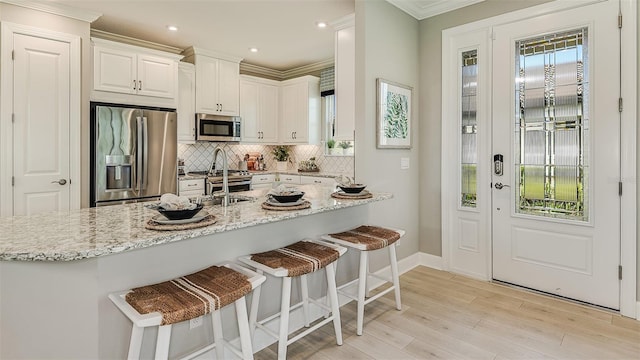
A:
(191, 187)
(262, 181)
(289, 179)
(317, 180)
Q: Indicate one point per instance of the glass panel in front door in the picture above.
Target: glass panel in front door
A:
(469, 129)
(551, 142)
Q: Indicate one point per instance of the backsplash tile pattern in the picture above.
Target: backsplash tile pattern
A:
(199, 155)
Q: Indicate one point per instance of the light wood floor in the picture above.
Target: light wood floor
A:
(448, 316)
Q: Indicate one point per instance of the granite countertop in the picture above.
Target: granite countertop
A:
(93, 232)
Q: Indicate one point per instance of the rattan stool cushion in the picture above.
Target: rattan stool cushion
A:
(373, 237)
(300, 258)
(190, 296)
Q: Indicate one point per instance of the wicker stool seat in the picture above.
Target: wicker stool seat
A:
(368, 238)
(188, 297)
(297, 260)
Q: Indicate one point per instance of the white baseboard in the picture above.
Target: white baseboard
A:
(432, 261)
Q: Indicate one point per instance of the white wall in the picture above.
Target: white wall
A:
(387, 47)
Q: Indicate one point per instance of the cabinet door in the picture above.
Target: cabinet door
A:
(156, 76)
(289, 179)
(317, 180)
(186, 103)
(290, 112)
(207, 85)
(114, 70)
(268, 100)
(249, 111)
(229, 87)
(345, 78)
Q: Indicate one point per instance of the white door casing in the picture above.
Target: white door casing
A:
(450, 165)
(573, 258)
(41, 87)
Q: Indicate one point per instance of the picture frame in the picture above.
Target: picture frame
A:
(393, 115)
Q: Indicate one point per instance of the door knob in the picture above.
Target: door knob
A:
(60, 182)
(500, 185)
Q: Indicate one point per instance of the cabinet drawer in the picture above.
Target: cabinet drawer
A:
(317, 180)
(190, 185)
(290, 179)
(263, 179)
(191, 193)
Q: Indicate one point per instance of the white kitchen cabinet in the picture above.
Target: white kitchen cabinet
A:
(259, 109)
(300, 111)
(133, 70)
(262, 181)
(317, 180)
(289, 179)
(186, 103)
(217, 82)
(191, 187)
(345, 77)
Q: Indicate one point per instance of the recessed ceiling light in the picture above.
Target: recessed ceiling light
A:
(253, 50)
(321, 24)
(172, 28)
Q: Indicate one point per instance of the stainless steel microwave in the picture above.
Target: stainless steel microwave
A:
(217, 128)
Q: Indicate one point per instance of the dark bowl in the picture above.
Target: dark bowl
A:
(180, 214)
(287, 197)
(353, 188)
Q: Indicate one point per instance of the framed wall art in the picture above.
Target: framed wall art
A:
(393, 126)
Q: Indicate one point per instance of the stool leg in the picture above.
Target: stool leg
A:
(367, 293)
(304, 288)
(243, 328)
(253, 314)
(394, 274)
(328, 298)
(284, 318)
(218, 338)
(332, 293)
(162, 343)
(362, 288)
(135, 344)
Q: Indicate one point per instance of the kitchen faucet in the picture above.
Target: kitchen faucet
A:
(225, 175)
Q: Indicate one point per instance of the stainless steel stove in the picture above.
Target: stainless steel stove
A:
(239, 180)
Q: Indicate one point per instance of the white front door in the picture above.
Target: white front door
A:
(41, 162)
(556, 206)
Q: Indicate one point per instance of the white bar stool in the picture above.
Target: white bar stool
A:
(186, 298)
(368, 238)
(297, 260)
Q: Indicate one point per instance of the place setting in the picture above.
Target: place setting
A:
(285, 198)
(352, 191)
(178, 213)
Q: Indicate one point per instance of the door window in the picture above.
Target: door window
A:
(552, 133)
(469, 129)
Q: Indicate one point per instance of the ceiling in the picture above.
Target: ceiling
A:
(284, 31)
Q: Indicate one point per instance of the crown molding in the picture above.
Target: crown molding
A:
(56, 9)
(133, 41)
(258, 70)
(192, 50)
(421, 9)
(344, 22)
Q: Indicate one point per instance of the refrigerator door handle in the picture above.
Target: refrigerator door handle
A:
(139, 154)
(145, 152)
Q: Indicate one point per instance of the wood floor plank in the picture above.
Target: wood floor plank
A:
(449, 316)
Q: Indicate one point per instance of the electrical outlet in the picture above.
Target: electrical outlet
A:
(404, 163)
(194, 323)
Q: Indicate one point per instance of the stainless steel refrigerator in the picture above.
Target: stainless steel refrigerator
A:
(133, 153)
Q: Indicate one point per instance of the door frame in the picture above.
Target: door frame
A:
(629, 305)
(7, 31)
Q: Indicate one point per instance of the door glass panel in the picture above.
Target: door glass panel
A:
(552, 135)
(469, 127)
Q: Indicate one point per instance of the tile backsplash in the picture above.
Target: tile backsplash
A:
(199, 155)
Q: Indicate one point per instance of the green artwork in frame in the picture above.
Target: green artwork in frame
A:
(393, 115)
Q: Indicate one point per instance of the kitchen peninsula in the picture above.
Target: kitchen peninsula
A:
(58, 268)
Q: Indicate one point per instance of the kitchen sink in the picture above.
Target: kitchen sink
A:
(233, 199)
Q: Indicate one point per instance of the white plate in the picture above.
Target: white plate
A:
(274, 202)
(161, 219)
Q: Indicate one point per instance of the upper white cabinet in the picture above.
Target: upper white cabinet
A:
(345, 86)
(300, 111)
(186, 103)
(133, 70)
(259, 109)
(217, 82)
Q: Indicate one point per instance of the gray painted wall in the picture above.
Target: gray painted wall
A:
(387, 47)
